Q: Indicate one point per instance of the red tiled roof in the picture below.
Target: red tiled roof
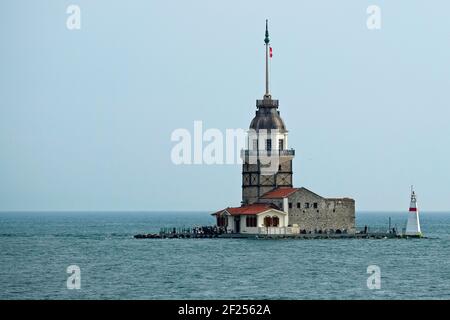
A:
(251, 209)
(279, 193)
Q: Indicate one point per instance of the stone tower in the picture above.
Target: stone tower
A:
(267, 161)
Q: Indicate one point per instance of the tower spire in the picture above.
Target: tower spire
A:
(267, 42)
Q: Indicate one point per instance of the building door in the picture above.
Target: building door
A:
(237, 224)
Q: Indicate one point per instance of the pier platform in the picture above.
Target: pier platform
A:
(214, 232)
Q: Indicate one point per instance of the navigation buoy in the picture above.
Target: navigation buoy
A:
(413, 224)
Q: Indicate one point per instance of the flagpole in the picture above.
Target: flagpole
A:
(267, 41)
(270, 69)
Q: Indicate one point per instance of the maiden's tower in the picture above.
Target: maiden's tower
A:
(270, 203)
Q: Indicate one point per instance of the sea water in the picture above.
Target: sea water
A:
(36, 248)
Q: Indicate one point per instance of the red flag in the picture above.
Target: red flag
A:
(270, 50)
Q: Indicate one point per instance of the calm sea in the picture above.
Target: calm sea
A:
(36, 249)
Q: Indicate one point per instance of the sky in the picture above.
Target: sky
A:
(86, 116)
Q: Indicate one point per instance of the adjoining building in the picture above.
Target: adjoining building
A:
(252, 219)
(270, 203)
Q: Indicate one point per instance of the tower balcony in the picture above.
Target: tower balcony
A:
(256, 153)
(268, 103)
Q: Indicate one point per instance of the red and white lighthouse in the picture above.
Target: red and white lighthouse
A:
(413, 224)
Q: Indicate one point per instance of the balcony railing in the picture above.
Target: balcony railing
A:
(278, 230)
(255, 153)
(267, 103)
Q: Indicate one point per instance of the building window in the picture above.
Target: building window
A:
(281, 144)
(275, 221)
(298, 205)
(268, 144)
(267, 221)
(290, 205)
(222, 221)
(251, 221)
(271, 221)
(307, 205)
(315, 205)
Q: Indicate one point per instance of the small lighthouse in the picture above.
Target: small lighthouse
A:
(413, 224)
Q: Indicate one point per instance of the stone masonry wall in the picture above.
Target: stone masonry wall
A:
(314, 213)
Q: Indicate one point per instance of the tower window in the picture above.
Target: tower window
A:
(268, 144)
(315, 205)
(281, 144)
(290, 205)
(307, 205)
(298, 205)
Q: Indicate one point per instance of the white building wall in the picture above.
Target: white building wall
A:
(244, 224)
(286, 205)
(272, 213)
(230, 226)
(260, 222)
(250, 230)
(261, 137)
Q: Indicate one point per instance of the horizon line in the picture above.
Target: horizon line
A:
(186, 211)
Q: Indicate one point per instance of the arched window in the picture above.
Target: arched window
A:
(275, 221)
(280, 144)
(219, 221)
(267, 221)
(268, 144)
(222, 221)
